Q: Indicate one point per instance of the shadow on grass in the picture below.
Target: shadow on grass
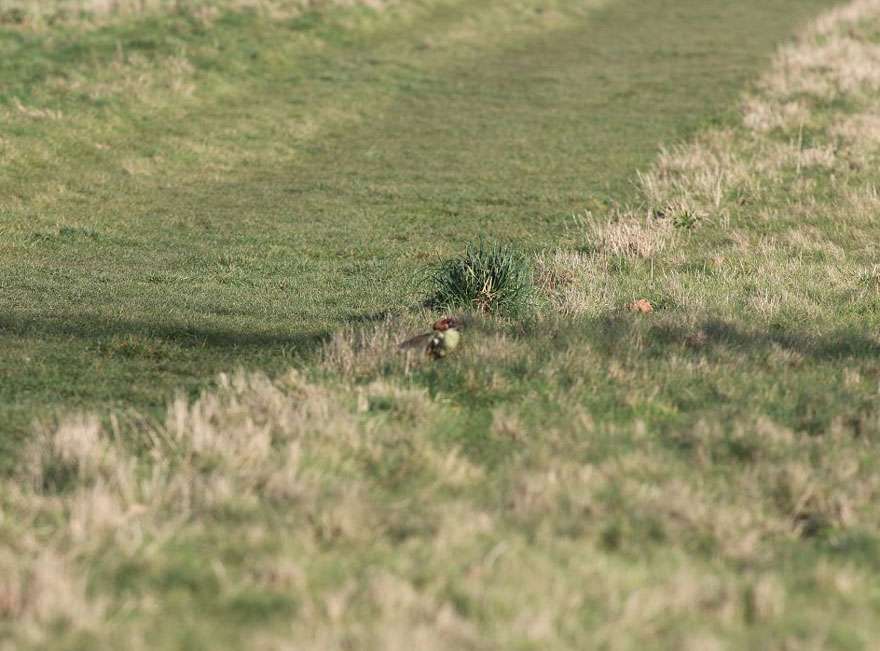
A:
(714, 335)
(611, 335)
(186, 336)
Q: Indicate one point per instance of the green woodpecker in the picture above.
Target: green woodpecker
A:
(444, 338)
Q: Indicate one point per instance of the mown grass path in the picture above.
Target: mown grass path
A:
(177, 200)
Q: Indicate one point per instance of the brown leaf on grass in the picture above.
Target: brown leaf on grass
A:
(642, 306)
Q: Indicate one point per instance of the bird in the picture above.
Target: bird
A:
(444, 338)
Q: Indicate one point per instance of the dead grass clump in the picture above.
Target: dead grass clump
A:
(697, 178)
(686, 592)
(629, 235)
(763, 116)
(862, 204)
(573, 283)
(411, 617)
(837, 64)
(36, 113)
(859, 132)
(358, 351)
(74, 453)
(834, 59)
(42, 589)
(151, 81)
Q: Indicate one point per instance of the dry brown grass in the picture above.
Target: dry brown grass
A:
(630, 234)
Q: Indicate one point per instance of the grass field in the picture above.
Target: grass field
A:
(256, 189)
(182, 195)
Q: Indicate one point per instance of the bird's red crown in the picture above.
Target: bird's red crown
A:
(445, 323)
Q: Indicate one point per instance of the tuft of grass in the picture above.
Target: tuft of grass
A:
(490, 277)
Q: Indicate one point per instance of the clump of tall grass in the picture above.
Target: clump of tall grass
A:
(490, 277)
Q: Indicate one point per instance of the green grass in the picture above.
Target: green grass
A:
(699, 477)
(490, 277)
(181, 198)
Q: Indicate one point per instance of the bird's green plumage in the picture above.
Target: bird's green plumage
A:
(443, 339)
(451, 339)
(443, 342)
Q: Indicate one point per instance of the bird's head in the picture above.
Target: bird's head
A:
(445, 324)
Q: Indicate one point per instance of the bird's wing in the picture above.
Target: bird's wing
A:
(417, 342)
